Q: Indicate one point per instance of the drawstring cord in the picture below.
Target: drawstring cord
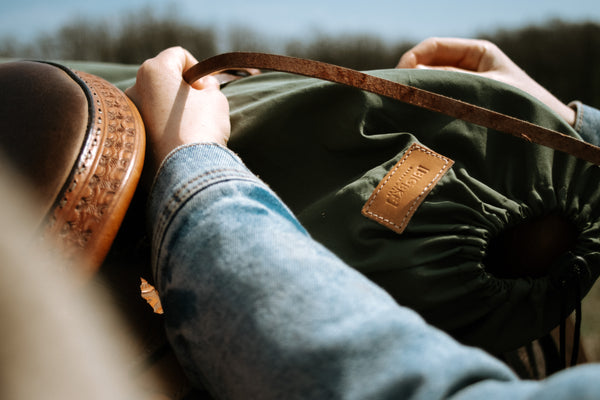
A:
(570, 281)
(563, 332)
(577, 331)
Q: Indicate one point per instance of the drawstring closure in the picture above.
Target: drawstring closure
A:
(569, 283)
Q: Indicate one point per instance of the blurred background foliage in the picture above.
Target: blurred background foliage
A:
(563, 57)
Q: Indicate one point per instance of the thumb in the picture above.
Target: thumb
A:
(408, 60)
(206, 82)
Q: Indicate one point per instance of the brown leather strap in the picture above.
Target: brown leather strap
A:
(408, 94)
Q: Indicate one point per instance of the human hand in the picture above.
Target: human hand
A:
(483, 58)
(174, 112)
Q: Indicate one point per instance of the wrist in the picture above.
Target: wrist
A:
(564, 111)
(568, 114)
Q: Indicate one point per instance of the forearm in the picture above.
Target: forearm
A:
(256, 309)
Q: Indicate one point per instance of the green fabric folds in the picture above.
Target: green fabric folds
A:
(324, 147)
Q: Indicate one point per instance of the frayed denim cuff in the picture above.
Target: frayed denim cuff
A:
(587, 122)
(185, 172)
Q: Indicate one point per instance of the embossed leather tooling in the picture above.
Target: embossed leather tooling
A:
(79, 142)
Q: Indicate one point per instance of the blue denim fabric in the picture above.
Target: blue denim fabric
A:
(587, 122)
(256, 309)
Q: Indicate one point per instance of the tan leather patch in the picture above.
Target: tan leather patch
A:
(403, 189)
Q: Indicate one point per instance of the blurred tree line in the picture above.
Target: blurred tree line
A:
(563, 57)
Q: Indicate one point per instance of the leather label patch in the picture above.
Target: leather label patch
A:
(403, 189)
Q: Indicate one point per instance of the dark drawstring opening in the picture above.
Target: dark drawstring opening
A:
(536, 248)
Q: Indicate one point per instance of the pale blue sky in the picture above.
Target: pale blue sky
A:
(399, 19)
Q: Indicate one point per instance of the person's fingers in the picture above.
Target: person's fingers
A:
(206, 82)
(174, 112)
(176, 59)
(408, 60)
(133, 94)
(447, 52)
(442, 68)
(190, 60)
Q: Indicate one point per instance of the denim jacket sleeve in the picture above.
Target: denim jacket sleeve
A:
(255, 309)
(587, 122)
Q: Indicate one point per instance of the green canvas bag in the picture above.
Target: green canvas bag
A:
(497, 254)
(461, 260)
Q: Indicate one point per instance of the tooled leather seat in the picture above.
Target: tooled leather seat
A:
(79, 142)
